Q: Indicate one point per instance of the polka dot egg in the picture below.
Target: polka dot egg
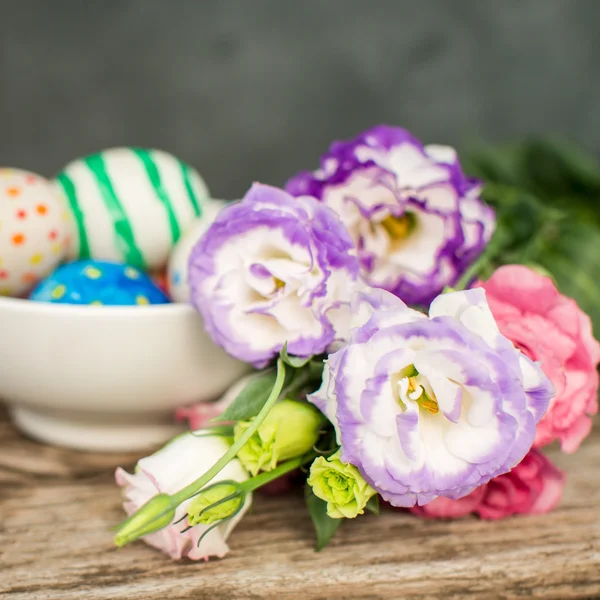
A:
(130, 204)
(178, 262)
(35, 230)
(98, 283)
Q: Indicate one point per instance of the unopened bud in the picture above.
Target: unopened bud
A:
(340, 485)
(290, 430)
(215, 503)
(157, 513)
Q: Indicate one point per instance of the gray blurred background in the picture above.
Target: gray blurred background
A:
(253, 90)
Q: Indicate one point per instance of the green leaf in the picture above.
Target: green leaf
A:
(327, 444)
(560, 174)
(325, 526)
(293, 361)
(548, 166)
(521, 218)
(215, 430)
(546, 194)
(303, 380)
(251, 399)
(373, 504)
(572, 255)
(554, 167)
(519, 214)
(495, 164)
(315, 370)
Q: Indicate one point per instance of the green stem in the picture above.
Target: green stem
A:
(259, 480)
(471, 272)
(298, 381)
(143, 523)
(194, 487)
(493, 250)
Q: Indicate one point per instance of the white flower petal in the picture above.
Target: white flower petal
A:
(441, 197)
(448, 393)
(191, 455)
(440, 153)
(409, 436)
(178, 464)
(324, 398)
(296, 318)
(419, 251)
(470, 307)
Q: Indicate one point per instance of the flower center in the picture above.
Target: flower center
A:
(410, 383)
(424, 400)
(399, 228)
(278, 283)
(339, 490)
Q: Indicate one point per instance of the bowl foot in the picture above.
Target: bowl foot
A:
(92, 434)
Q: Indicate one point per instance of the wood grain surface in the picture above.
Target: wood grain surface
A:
(57, 506)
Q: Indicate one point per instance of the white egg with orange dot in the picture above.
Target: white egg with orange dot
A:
(130, 204)
(35, 230)
(177, 283)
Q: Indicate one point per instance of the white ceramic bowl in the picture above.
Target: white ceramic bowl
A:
(106, 378)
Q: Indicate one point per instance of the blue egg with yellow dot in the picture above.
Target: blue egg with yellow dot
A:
(96, 282)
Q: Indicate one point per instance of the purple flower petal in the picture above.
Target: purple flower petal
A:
(267, 272)
(383, 173)
(428, 407)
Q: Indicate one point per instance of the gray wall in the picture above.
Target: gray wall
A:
(252, 90)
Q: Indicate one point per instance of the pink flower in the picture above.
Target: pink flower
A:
(180, 462)
(551, 329)
(444, 508)
(534, 486)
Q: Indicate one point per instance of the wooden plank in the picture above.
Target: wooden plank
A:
(57, 506)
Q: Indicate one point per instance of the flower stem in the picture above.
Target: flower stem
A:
(194, 487)
(147, 520)
(471, 272)
(259, 480)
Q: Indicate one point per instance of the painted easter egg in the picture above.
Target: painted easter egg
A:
(130, 205)
(98, 283)
(178, 262)
(35, 230)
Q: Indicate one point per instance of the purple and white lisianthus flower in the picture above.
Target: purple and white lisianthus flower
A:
(417, 221)
(270, 269)
(431, 406)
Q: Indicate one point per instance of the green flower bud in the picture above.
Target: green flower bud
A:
(157, 513)
(211, 504)
(341, 485)
(290, 429)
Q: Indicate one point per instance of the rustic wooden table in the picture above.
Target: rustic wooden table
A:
(57, 506)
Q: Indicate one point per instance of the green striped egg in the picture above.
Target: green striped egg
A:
(130, 204)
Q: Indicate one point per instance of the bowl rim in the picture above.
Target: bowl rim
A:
(24, 305)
